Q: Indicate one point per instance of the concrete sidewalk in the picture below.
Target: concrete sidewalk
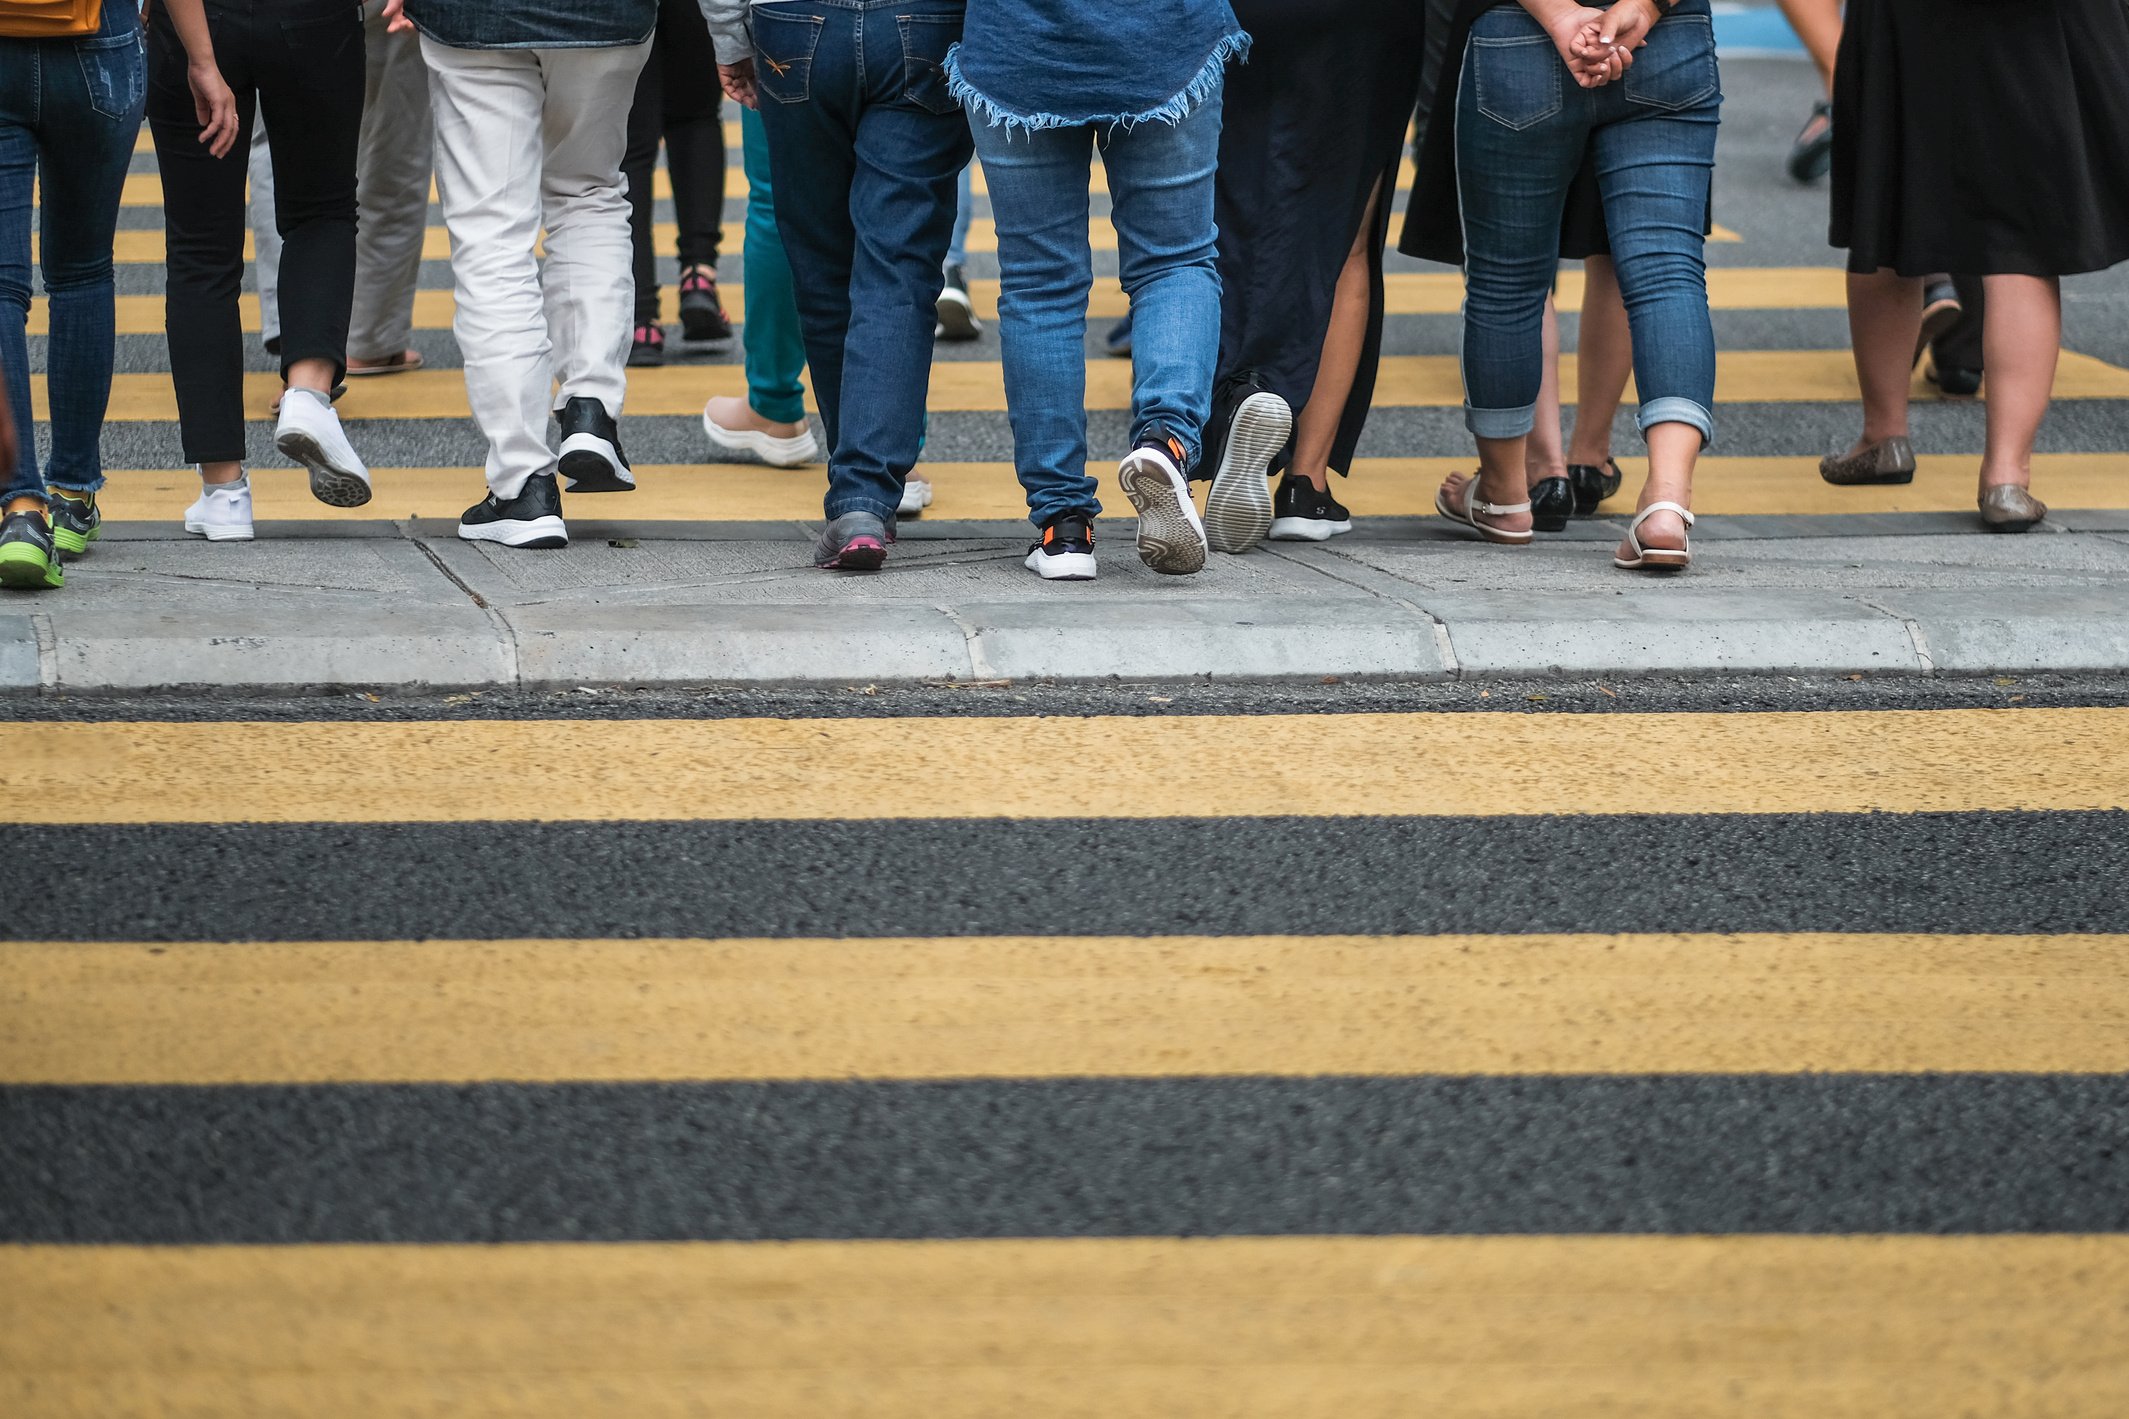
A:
(406, 605)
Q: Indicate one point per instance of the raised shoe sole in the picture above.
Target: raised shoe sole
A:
(590, 464)
(23, 568)
(1171, 537)
(957, 317)
(330, 483)
(1238, 509)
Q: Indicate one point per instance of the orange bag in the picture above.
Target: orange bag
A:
(51, 19)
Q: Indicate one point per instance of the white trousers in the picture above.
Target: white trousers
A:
(526, 137)
(391, 189)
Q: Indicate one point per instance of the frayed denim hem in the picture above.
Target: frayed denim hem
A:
(1501, 423)
(1676, 409)
(981, 106)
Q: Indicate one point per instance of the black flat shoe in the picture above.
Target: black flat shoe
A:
(1812, 155)
(1552, 502)
(1593, 484)
(1956, 381)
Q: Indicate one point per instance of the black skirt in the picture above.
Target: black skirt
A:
(1309, 128)
(1982, 137)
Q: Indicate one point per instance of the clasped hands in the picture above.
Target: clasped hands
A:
(1599, 45)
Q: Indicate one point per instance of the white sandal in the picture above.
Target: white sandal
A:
(1468, 514)
(1667, 559)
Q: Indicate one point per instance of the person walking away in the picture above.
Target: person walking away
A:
(678, 103)
(1641, 98)
(70, 107)
(300, 63)
(1142, 83)
(2014, 119)
(531, 107)
(957, 312)
(866, 144)
(769, 421)
(1310, 138)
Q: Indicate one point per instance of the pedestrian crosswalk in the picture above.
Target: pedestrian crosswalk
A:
(1500, 1064)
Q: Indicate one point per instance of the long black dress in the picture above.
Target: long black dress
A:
(1308, 128)
(1988, 137)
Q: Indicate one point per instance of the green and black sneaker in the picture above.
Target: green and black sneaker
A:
(76, 522)
(28, 560)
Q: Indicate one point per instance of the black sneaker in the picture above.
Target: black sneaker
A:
(1300, 513)
(702, 317)
(646, 348)
(592, 459)
(531, 519)
(76, 522)
(1065, 551)
(957, 313)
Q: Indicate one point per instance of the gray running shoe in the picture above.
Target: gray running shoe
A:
(854, 542)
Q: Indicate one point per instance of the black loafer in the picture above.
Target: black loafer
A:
(1552, 502)
(1593, 484)
(1956, 381)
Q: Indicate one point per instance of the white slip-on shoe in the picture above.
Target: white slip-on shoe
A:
(1238, 511)
(222, 512)
(793, 452)
(309, 432)
(916, 496)
(1171, 538)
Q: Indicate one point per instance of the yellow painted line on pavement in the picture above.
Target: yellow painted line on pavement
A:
(1379, 487)
(1444, 763)
(1405, 381)
(1404, 293)
(1039, 1007)
(1653, 1327)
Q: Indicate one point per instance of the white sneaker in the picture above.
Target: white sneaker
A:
(1238, 510)
(916, 496)
(1171, 539)
(222, 513)
(310, 433)
(793, 452)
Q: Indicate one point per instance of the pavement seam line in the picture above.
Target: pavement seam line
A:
(1915, 634)
(979, 663)
(1443, 645)
(514, 674)
(47, 653)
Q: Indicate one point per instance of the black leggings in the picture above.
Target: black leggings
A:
(301, 61)
(677, 99)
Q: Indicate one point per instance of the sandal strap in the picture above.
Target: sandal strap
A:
(1499, 509)
(1684, 514)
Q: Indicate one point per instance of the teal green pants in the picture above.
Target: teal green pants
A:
(776, 353)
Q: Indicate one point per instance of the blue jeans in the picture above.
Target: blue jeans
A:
(1161, 185)
(866, 145)
(72, 108)
(964, 215)
(1523, 127)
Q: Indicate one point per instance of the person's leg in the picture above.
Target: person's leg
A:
(88, 131)
(2023, 341)
(639, 167)
(203, 220)
(488, 105)
(1544, 457)
(775, 350)
(1604, 360)
(18, 177)
(694, 132)
(1654, 167)
(311, 90)
(912, 142)
(1038, 189)
(964, 218)
(1818, 24)
(1884, 318)
(1316, 426)
(1956, 356)
(392, 191)
(265, 237)
(1515, 158)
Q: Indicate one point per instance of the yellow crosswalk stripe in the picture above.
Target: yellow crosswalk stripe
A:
(1404, 293)
(1778, 1327)
(1025, 1007)
(1379, 487)
(1404, 381)
(1892, 761)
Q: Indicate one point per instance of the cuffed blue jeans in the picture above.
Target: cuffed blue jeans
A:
(70, 108)
(1160, 188)
(1523, 127)
(867, 148)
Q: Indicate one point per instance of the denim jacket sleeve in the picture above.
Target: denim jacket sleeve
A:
(728, 28)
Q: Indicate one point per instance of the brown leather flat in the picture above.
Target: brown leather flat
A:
(2010, 508)
(1888, 461)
